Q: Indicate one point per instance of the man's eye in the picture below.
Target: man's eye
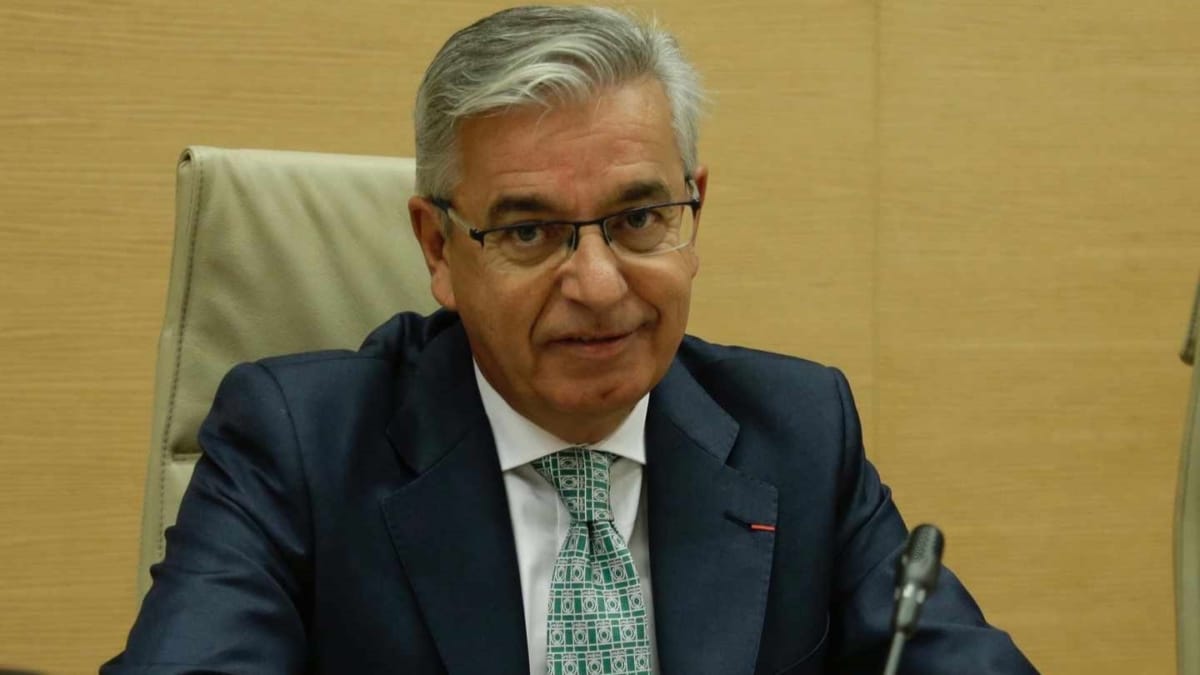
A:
(525, 235)
(637, 220)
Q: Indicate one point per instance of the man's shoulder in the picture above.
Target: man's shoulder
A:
(385, 356)
(767, 388)
(403, 336)
(707, 360)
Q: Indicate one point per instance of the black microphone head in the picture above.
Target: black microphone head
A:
(922, 558)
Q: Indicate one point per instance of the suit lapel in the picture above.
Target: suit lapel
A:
(710, 569)
(450, 525)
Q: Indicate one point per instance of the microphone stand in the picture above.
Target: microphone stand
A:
(893, 661)
(916, 576)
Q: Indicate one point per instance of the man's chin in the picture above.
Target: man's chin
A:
(596, 397)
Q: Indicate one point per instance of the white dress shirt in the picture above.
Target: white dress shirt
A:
(540, 520)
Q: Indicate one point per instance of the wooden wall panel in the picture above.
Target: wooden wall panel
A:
(100, 97)
(1037, 250)
(981, 212)
(787, 239)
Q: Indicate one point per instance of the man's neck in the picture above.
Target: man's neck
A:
(566, 429)
(587, 431)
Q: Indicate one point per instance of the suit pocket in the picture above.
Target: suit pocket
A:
(813, 661)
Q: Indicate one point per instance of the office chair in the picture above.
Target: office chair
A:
(275, 252)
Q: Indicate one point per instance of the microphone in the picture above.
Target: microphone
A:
(916, 576)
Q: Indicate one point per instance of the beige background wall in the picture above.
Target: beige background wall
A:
(984, 212)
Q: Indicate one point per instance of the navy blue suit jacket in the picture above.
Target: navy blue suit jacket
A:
(349, 516)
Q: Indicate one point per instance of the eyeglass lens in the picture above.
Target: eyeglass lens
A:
(636, 233)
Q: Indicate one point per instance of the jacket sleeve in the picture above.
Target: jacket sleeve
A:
(952, 637)
(230, 596)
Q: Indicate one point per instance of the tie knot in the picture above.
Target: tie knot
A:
(581, 477)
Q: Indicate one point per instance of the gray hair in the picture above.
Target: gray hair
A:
(542, 56)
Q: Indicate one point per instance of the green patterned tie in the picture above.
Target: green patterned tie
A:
(596, 621)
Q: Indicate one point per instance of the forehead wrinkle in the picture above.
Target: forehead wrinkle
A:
(567, 160)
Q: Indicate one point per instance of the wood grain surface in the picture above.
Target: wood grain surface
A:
(985, 213)
(1037, 254)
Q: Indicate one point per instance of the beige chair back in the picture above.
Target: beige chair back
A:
(275, 252)
(1187, 515)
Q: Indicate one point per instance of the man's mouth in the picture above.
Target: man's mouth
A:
(590, 339)
(595, 346)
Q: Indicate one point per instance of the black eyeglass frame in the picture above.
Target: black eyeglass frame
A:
(479, 235)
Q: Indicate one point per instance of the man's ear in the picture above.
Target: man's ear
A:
(427, 226)
(700, 177)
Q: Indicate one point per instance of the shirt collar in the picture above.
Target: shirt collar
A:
(519, 441)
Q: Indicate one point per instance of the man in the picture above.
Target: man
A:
(547, 476)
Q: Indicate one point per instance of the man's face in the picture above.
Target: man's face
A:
(571, 346)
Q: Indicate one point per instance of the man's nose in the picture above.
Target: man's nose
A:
(592, 276)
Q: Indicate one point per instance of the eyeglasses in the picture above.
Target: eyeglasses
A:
(638, 232)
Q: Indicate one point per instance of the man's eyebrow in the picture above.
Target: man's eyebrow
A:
(529, 204)
(643, 191)
(536, 205)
